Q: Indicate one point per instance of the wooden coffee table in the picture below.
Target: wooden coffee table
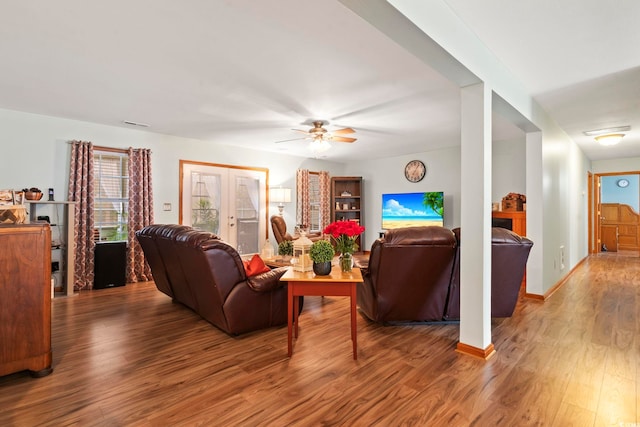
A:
(308, 284)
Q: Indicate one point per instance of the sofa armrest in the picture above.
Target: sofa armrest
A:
(362, 262)
(268, 281)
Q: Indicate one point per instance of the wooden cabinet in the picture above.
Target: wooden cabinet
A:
(515, 221)
(619, 227)
(25, 299)
(347, 201)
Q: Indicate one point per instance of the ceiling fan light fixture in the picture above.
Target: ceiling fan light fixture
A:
(319, 145)
(609, 139)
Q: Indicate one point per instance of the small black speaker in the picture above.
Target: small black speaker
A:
(110, 265)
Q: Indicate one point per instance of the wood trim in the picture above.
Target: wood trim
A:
(591, 234)
(221, 165)
(557, 286)
(596, 213)
(618, 173)
(480, 353)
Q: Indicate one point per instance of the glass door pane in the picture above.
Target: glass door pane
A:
(247, 206)
(227, 201)
(205, 201)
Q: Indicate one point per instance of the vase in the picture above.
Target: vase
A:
(322, 268)
(346, 262)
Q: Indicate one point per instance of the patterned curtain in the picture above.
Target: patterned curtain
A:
(140, 212)
(325, 199)
(81, 192)
(303, 206)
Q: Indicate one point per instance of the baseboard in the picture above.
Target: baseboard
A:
(480, 353)
(557, 286)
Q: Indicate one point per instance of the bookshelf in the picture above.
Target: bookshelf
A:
(347, 201)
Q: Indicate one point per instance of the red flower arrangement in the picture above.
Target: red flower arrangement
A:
(344, 234)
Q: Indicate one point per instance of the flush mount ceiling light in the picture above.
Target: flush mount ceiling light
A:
(617, 129)
(609, 139)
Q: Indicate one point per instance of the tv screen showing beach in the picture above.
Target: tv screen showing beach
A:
(412, 209)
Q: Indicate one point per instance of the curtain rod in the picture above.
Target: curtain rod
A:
(108, 149)
(111, 150)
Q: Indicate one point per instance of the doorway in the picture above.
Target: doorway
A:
(226, 201)
(616, 214)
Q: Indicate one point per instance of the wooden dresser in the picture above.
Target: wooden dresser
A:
(516, 221)
(25, 299)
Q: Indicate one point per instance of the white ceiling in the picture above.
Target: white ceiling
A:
(579, 58)
(245, 73)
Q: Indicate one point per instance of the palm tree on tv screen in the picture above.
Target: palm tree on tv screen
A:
(434, 201)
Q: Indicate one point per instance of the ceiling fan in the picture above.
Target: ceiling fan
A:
(319, 135)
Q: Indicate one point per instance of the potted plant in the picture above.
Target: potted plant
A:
(285, 248)
(345, 234)
(321, 253)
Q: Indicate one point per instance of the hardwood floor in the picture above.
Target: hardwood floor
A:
(128, 356)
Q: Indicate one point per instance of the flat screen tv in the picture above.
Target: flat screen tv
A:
(412, 209)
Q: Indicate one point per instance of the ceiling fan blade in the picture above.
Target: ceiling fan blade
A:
(343, 139)
(300, 130)
(287, 140)
(343, 131)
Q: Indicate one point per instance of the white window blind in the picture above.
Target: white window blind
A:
(314, 201)
(111, 195)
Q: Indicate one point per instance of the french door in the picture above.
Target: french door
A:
(228, 201)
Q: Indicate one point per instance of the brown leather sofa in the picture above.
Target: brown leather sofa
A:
(279, 227)
(207, 275)
(509, 255)
(413, 275)
(408, 275)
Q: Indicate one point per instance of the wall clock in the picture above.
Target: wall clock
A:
(622, 183)
(414, 171)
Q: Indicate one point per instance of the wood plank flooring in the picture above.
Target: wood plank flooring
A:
(129, 357)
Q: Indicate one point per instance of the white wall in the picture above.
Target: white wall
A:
(387, 176)
(35, 153)
(509, 169)
(616, 165)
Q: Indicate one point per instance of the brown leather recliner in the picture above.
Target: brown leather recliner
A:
(279, 227)
(509, 255)
(408, 275)
(204, 273)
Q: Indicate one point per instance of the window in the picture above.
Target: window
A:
(111, 195)
(314, 202)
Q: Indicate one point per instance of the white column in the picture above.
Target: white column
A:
(475, 221)
(534, 176)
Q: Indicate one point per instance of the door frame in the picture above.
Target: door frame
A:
(181, 187)
(594, 186)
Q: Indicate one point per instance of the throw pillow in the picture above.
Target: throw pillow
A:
(255, 266)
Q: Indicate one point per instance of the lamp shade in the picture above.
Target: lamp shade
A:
(280, 195)
(609, 139)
